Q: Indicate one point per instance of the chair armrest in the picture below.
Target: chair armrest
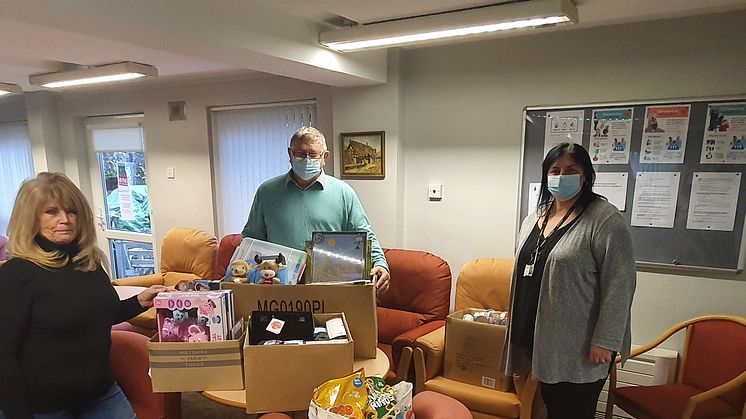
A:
(429, 351)
(530, 403)
(693, 401)
(409, 337)
(140, 281)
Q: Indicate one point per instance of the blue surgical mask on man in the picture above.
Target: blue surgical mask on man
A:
(563, 187)
(306, 168)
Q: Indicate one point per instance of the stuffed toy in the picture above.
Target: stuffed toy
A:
(268, 269)
(239, 270)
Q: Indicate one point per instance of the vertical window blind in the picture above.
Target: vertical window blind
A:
(250, 146)
(16, 166)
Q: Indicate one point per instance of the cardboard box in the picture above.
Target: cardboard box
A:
(201, 366)
(282, 378)
(473, 351)
(357, 302)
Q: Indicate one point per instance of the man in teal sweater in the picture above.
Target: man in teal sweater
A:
(288, 208)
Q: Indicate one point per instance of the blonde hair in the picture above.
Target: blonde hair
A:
(308, 135)
(24, 223)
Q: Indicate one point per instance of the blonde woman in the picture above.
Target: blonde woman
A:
(57, 307)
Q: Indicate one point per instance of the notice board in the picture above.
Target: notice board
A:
(683, 162)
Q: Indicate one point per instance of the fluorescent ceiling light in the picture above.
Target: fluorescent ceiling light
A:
(92, 75)
(519, 15)
(7, 88)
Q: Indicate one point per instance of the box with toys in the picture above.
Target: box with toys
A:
(260, 262)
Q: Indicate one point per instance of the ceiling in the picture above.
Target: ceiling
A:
(196, 39)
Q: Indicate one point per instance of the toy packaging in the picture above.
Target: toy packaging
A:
(338, 257)
(194, 316)
(260, 262)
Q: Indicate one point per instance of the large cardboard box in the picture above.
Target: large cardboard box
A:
(357, 302)
(473, 351)
(200, 366)
(282, 378)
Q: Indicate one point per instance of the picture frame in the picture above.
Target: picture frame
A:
(363, 155)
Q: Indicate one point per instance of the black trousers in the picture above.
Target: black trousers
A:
(570, 400)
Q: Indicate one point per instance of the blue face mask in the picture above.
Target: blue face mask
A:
(563, 187)
(306, 169)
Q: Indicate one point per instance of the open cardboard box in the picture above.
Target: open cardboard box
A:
(199, 366)
(282, 378)
(357, 302)
(473, 351)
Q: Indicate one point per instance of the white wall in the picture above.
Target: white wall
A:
(183, 145)
(463, 107)
(12, 108)
(378, 108)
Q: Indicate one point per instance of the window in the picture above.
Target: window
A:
(250, 146)
(16, 166)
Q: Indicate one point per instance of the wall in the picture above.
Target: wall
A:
(378, 108)
(463, 107)
(12, 108)
(183, 145)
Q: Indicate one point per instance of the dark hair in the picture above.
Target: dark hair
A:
(581, 157)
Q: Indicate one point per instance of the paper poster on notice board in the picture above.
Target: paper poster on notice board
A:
(610, 136)
(664, 135)
(655, 199)
(724, 139)
(713, 201)
(563, 127)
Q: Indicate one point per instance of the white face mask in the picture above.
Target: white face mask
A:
(306, 168)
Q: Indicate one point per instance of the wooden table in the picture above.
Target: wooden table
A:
(377, 366)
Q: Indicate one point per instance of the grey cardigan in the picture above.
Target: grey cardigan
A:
(585, 299)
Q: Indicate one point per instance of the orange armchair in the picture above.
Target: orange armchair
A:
(416, 303)
(185, 254)
(712, 379)
(482, 283)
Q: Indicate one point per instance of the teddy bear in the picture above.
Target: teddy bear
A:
(239, 270)
(269, 269)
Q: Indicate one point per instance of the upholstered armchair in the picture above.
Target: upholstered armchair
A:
(482, 283)
(185, 254)
(130, 367)
(711, 382)
(415, 304)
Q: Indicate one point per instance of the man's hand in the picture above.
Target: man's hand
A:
(599, 355)
(381, 277)
(145, 298)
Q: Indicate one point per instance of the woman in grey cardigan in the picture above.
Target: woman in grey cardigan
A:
(572, 288)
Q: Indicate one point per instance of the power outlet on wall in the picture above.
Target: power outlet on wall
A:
(435, 191)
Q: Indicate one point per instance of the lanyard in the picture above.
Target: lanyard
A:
(541, 241)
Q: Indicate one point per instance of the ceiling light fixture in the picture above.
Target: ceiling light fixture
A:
(93, 75)
(478, 21)
(8, 88)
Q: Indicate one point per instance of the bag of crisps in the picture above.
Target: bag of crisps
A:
(346, 396)
(381, 399)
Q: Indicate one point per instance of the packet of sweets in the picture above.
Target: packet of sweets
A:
(346, 396)
(381, 399)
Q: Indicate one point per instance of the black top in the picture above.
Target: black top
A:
(527, 287)
(56, 335)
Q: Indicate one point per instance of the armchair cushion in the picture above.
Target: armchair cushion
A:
(189, 250)
(484, 283)
(715, 356)
(227, 247)
(393, 322)
(480, 399)
(420, 283)
(667, 401)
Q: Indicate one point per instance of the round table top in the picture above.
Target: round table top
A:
(127, 291)
(377, 366)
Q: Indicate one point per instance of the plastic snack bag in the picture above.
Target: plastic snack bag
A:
(381, 399)
(346, 396)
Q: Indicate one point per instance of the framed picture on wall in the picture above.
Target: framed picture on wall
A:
(363, 155)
